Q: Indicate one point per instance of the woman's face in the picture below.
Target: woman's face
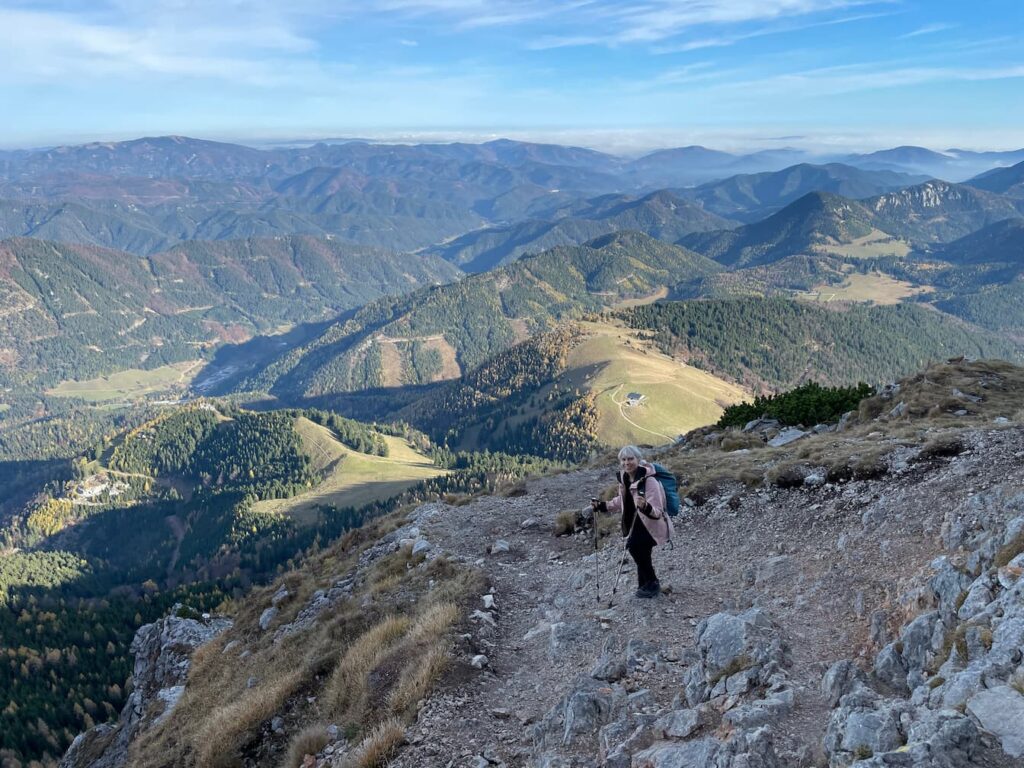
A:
(629, 464)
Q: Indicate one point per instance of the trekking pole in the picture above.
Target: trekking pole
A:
(622, 560)
(597, 550)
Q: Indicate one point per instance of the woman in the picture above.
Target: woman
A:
(644, 502)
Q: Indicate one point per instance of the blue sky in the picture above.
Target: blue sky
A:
(622, 75)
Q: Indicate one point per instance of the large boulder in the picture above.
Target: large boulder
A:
(736, 652)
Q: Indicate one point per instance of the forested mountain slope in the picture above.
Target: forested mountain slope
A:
(778, 343)
(76, 311)
(436, 333)
(816, 219)
(662, 215)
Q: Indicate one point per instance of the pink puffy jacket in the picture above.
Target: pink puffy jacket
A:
(659, 526)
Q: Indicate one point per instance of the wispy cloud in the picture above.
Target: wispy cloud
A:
(618, 22)
(126, 41)
(928, 29)
(774, 29)
(865, 77)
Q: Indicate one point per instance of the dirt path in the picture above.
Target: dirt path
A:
(622, 412)
(544, 582)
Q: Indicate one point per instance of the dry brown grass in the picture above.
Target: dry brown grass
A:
(434, 622)
(930, 393)
(362, 663)
(565, 522)
(418, 678)
(707, 464)
(378, 746)
(346, 691)
(385, 584)
(309, 741)
(228, 727)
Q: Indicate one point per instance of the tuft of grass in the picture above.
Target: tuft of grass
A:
(863, 752)
(1017, 682)
(738, 664)
(229, 726)
(309, 741)
(378, 746)
(565, 523)
(936, 681)
(942, 446)
(434, 622)
(513, 490)
(1009, 551)
(786, 475)
(417, 679)
(345, 692)
(385, 584)
(735, 441)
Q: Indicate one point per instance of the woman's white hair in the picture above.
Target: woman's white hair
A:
(630, 450)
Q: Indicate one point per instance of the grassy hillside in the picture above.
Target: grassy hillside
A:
(613, 363)
(349, 478)
(518, 399)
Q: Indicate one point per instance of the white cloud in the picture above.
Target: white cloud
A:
(131, 39)
(928, 29)
(864, 77)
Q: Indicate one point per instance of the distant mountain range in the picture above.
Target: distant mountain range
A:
(72, 311)
(228, 241)
(1003, 181)
(146, 195)
(751, 197)
(661, 214)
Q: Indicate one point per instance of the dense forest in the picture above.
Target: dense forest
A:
(771, 344)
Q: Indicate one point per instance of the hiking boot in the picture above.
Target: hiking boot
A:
(649, 590)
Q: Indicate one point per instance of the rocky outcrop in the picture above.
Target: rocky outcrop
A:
(949, 693)
(163, 652)
(731, 686)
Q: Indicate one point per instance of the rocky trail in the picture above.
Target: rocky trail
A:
(836, 569)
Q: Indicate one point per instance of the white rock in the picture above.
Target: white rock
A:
(488, 602)
(479, 661)
(500, 546)
(266, 617)
(787, 436)
(421, 545)
(1000, 711)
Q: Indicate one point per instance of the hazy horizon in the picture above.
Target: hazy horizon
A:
(631, 76)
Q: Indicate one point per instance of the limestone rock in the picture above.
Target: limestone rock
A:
(163, 652)
(1000, 711)
(267, 617)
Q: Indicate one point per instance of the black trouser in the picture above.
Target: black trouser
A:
(640, 545)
